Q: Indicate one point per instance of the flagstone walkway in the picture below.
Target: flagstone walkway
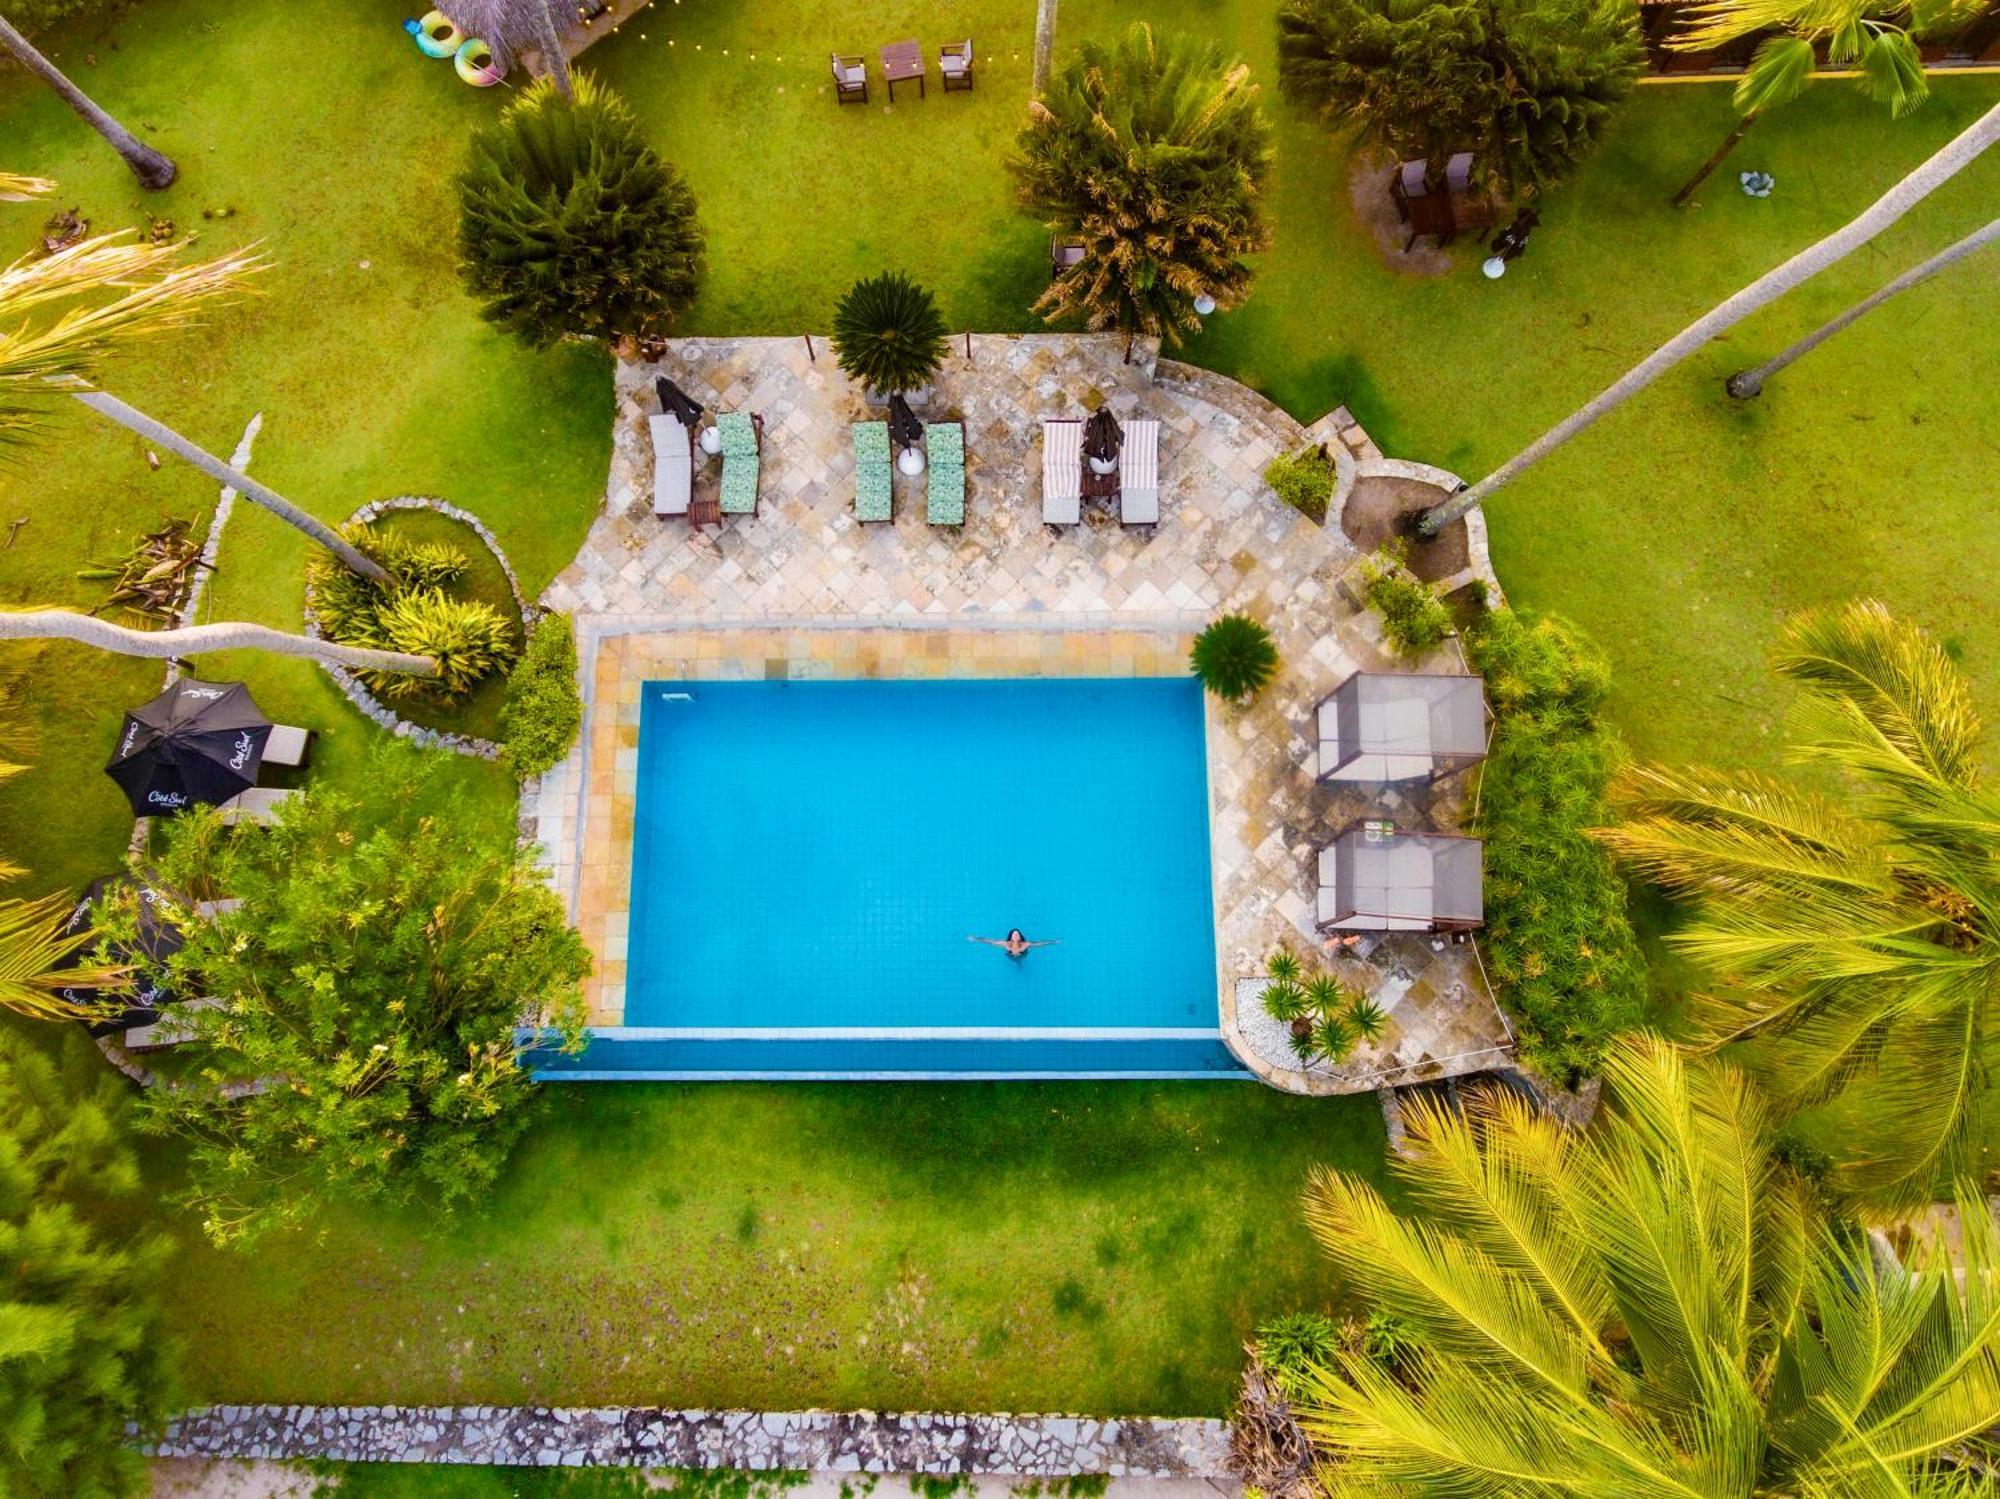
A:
(802, 589)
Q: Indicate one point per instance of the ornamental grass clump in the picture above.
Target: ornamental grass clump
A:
(1415, 618)
(1303, 479)
(888, 335)
(1234, 657)
(1557, 938)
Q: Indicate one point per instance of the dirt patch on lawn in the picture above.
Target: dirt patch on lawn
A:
(1368, 176)
(1380, 507)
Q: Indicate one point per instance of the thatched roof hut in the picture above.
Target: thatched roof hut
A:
(515, 28)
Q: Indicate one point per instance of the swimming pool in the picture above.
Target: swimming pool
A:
(810, 859)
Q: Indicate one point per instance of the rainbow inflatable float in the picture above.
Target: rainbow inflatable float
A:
(435, 35)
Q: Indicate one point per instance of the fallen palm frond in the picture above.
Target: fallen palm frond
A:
(153, 578)
(18, 187)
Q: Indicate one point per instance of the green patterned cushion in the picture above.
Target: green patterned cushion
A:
(738, 434)
(874, 496)
(739, 484)
(944, 442)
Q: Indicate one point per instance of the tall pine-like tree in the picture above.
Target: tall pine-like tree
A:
(571, 224)
(1528, 85)
(81, 1351)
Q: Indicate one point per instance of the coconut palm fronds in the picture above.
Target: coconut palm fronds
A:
(18, 187)
(42, 358)
(35, 962)
(154, 576)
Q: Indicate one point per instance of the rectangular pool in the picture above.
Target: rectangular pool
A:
(810, 859)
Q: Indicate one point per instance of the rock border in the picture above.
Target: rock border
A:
(371, 707)
(1480, 565)
(655, 1437)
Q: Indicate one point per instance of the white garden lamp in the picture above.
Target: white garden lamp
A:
(1204, 305)
(711, 439)
(910, 461)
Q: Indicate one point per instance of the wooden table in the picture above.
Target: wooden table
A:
(1098, 486)
(902, 61)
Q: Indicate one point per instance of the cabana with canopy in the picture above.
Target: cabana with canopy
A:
(1373, 877)
(1400, 726)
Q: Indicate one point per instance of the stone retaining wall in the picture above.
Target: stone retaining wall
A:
(653, 1437)
(372, 707)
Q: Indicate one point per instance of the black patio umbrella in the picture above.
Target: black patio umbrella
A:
(905, 431)
(676, 402)
(1102, 436)
(196, 742)
(159, 939)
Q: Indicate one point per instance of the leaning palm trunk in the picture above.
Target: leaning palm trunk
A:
(1729, 143)
(243, 484)
(555, 57)
(1885, 211)
(1045, 47)
(1745, 384)
(194, 640)
(149, 166)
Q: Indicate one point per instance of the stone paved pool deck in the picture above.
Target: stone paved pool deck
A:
(802, 590)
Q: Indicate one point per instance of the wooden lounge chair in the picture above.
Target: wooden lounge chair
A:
(850, 79)
(944, 445)
(1139, 474)
(1062, 471)
(673, 466)
(874, 474)
(288, 745)
(258, 804)
(171, 1029)
(742, 435)
(955, 63)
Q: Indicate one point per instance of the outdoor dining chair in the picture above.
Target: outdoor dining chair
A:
(850, 79)
(955, 64)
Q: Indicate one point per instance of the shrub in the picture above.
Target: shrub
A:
(375, 974)
(1234, 657)
(1303, 479)
(468, 638)
(1557, 936)
(1415, 617)
(570, 223)
(82, 1349)
(1291, 1345)
(32, 17)
(1530, 86)
(1152, 155)
(887, 333)
(543, 710)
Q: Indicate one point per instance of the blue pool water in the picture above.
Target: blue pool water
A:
(810, 858)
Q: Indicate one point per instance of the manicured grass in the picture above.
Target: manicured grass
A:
(458, 1481)
(1097, 1248)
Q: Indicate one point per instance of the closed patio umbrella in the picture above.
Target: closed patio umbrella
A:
(159, 939)
(197, 742)
(904, 428)
(676, 402)
(1102, 438)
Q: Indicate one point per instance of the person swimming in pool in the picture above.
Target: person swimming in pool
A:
(1015, 945)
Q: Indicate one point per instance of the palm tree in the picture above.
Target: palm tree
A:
(1809, 262)
(1862, 34)
(1656, 1306)
(887, 333)
(1234, 657)
(1045, 47)
(149, 166)
(1859, 936)
(88, 629)
(1153, 156)
(1745, 384)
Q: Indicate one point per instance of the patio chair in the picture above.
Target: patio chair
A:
(1139, 474)
(1063, 253)
(850, 79)
(944, 445)
(742, 435)
(1062, 471)
(257, 804)
(288, 746)
(955, 63)
(874, 474)
(673, 465)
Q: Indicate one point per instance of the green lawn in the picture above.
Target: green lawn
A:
(1096, 1247)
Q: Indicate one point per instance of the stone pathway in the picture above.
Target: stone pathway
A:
(836, 1442)
(801, 588)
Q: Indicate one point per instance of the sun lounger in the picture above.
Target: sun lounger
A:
(673, 466)
(944, 446)
(874, 474)
(259, 804)
(287, 745)
(208, 910)
(171, 1029)
(1062, 471)
(741, 434)
(1139, 474)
